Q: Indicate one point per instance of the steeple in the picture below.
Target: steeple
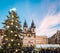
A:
(25, 24)
(32, 24)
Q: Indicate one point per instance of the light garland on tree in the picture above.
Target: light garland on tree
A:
(9, 44)
(16, 26)
(6, 38)
(11, 31)
(15, 34)
(16, 50)
(12, 40)
(18, 43)
(12, 23)
(7, 26)
(2, 36)
(3, 43)
(12, 16)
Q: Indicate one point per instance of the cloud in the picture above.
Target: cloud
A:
(13, 9)
(49, 21)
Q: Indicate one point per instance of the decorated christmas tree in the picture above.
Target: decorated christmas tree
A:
(12, 37)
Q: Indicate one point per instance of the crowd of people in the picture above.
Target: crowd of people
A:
(48, 50)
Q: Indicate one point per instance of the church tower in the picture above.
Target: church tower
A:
(25, 27)
(33, 28)
(29, 34)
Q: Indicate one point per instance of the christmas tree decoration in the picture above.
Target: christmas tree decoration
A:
(16, 50)
(12, 23)
(12, 20)
(2, 36)
(11, 31)
(15, 34)
(3, 43)
(12, 40)
(9, 44)
(7, 26)
(12, 16)
(6, 38)
(16, 26)
(18, 43)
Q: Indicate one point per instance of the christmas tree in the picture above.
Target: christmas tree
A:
(12, 37)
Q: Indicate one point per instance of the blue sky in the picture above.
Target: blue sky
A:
(45, 13)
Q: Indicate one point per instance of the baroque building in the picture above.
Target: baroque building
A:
(30, 37)
(55, 39)
(29, 34)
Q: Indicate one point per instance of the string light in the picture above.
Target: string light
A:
(16, 50)
(11, 31)
(18, 43)
(11, 23)
(15, 35)
(12, 40)
(16, 26)
(6, 38)
(12, 16)
(2, 36)
(7, 26)
(9, 44)
(3, 43)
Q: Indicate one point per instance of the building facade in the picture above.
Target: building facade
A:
(30, 37)
(29, 34)
(55, 39)
(41, 40)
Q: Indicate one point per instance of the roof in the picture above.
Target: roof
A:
(48, 46)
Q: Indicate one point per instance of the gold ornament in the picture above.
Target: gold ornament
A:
(15, 34)
(7, 26)
(12, 40)
(6, 38)
(9, 44)
(18, 43)
(11, 31)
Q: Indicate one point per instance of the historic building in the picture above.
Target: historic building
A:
(29, 34)
(55, 39)
(30, 37)
(41, 40)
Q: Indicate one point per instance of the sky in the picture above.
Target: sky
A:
(45, 13)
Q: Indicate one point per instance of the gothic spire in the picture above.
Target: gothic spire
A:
(25, 24)
(32, 24)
